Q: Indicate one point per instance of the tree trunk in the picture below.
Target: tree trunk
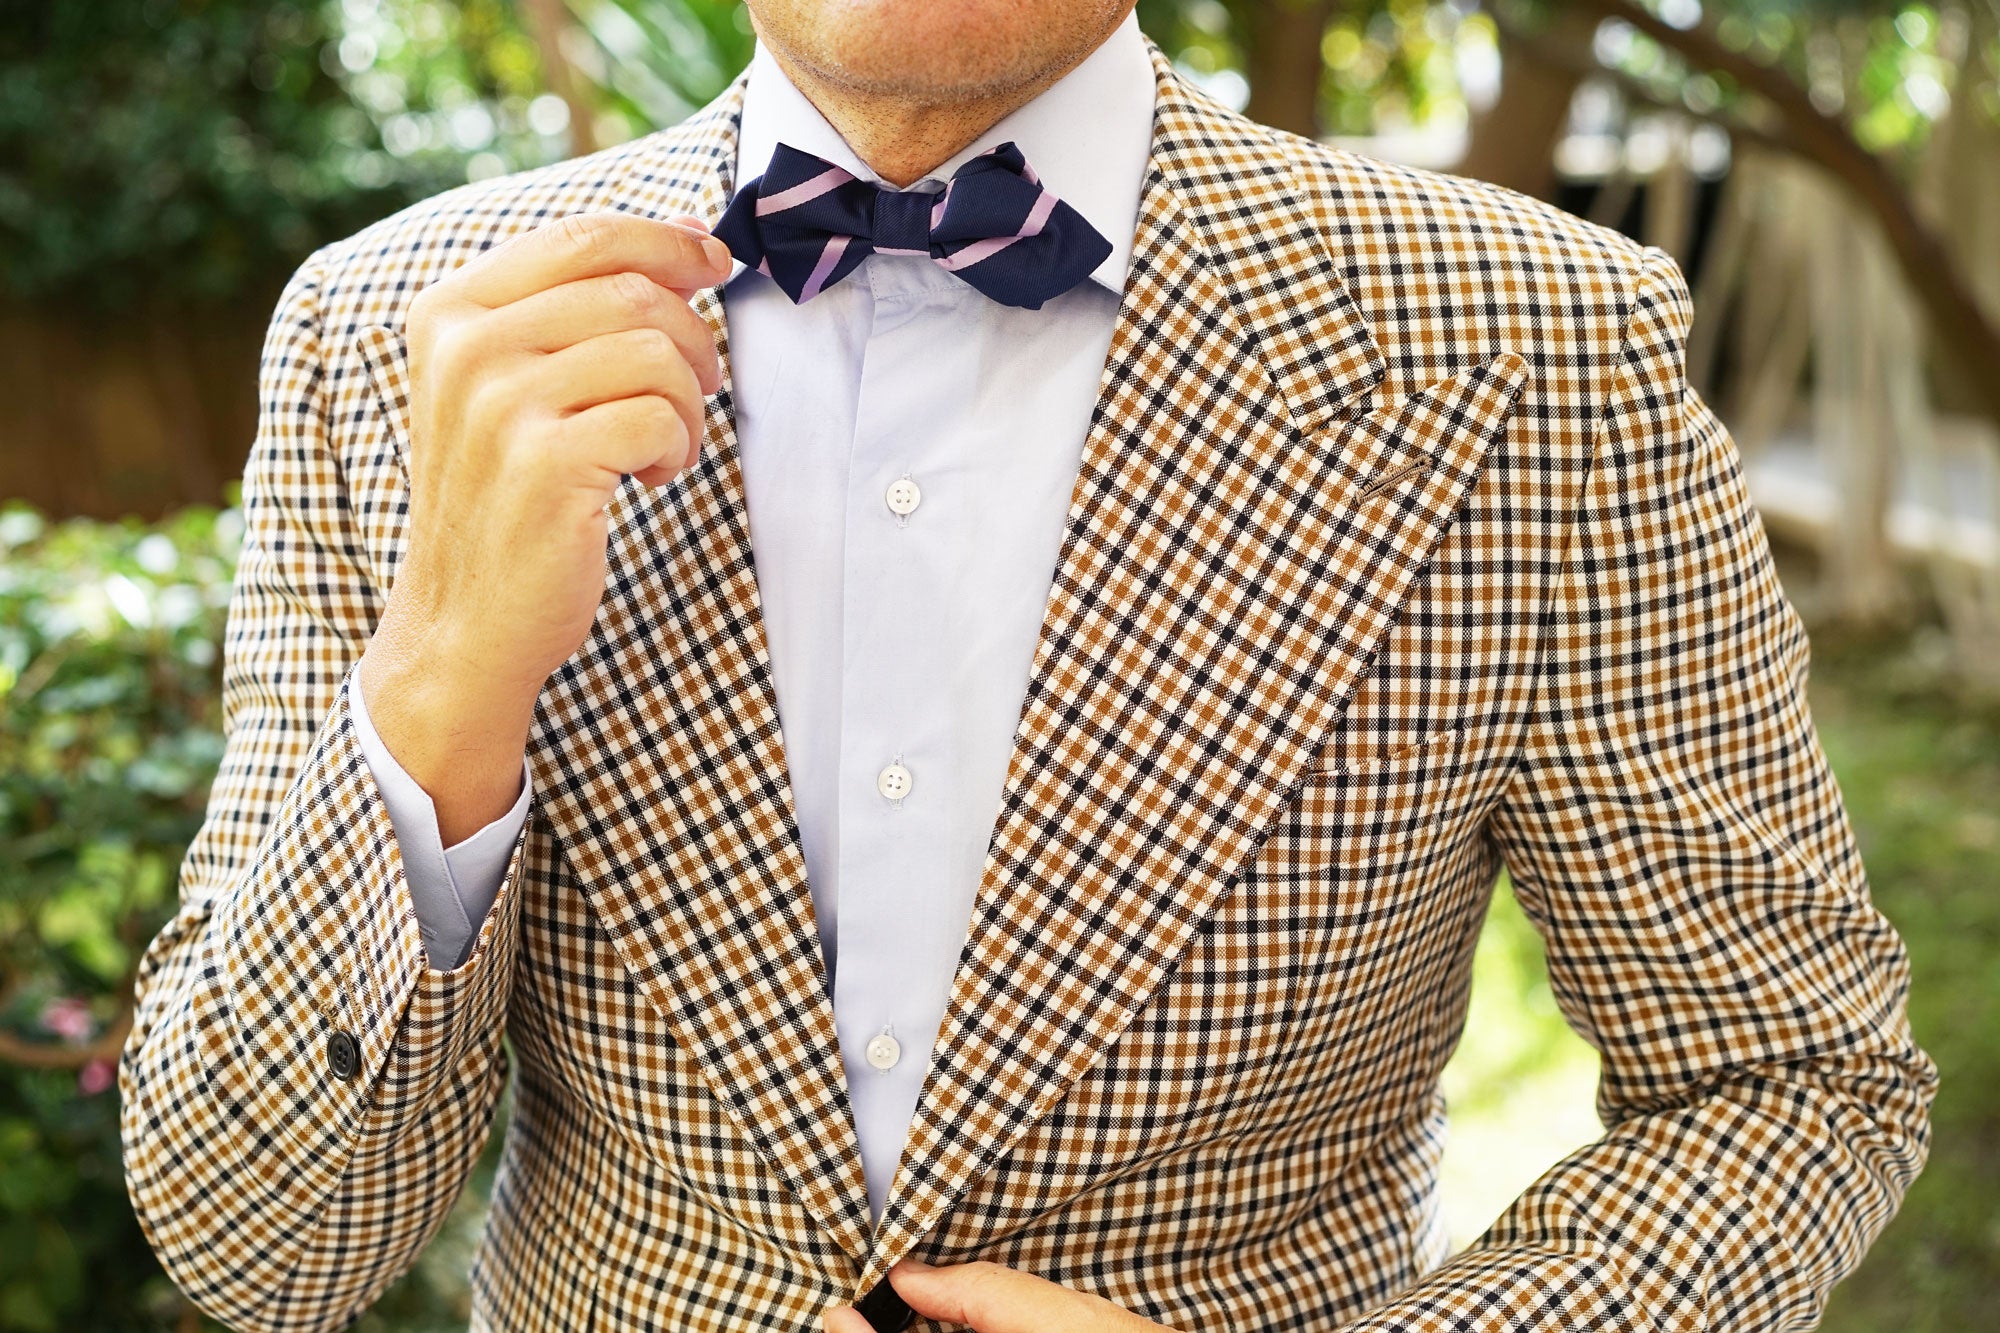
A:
(1964, 331)
(547, 20)
(1281, 58)
(1958, 191)
(1513, 141)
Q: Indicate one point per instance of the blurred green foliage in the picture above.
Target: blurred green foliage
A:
(1396, 64)
(652, 62)
(108, 731)
(197, 148)
(1885, 68)
(109, 738)
(162, 149)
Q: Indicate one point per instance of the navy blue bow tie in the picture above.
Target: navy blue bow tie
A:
(806, 224)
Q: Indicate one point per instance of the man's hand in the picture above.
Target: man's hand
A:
(994, 1299)
(541, 373)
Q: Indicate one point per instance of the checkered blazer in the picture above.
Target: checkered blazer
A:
(1399, 552)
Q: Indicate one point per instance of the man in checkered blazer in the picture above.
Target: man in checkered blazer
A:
(1398, 552)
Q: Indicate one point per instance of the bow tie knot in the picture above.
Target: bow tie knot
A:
(902, 223)
(806, 224)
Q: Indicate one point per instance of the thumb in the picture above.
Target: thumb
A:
(689, 222)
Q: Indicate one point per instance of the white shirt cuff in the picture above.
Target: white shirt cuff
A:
(452, 887)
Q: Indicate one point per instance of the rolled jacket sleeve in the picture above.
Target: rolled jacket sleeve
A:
(453, 887)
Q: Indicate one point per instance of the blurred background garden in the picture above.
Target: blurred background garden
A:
(1826, 171)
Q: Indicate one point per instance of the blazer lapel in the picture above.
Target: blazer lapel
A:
(675, 801)
(660, 769)
(1243, 526)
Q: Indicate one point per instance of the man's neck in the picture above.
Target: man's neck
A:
(901, 140)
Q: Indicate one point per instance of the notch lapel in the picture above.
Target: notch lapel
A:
(1242, 530)
(660, 768)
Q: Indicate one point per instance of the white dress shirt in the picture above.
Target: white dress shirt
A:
(908, 450)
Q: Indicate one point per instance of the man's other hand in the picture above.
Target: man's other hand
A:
(994, 1299)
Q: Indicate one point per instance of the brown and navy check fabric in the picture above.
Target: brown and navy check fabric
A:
(1399, 552)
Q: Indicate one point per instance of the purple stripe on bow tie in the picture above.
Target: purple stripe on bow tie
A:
(803, 194)
(807, 223)
(836, 246)
(971, 254)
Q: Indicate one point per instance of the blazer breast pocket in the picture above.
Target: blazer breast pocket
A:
(1369, 805)
(1366, 899)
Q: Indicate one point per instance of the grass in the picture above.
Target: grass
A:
(1921, 777)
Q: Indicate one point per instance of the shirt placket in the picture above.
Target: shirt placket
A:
(898, 779)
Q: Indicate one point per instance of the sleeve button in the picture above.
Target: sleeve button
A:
(343, 1056)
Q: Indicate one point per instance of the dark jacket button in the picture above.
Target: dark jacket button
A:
(885, 1311)
(343, 1055)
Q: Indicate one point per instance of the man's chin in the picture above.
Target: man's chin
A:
(933, 51)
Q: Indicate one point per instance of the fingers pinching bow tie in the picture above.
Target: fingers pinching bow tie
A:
(806, 224)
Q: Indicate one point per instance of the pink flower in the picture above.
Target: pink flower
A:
(69, 1018)
(96, 1077)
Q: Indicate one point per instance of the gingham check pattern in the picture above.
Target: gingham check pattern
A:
(1399, 550)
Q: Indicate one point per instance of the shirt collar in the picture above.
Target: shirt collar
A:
(1098, 172)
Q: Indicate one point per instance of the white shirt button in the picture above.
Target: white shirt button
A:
(903, 495)
(883, 1051)
(893, 782)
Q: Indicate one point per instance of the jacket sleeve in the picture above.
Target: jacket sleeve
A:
(283, 1185)
(1675, 835)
